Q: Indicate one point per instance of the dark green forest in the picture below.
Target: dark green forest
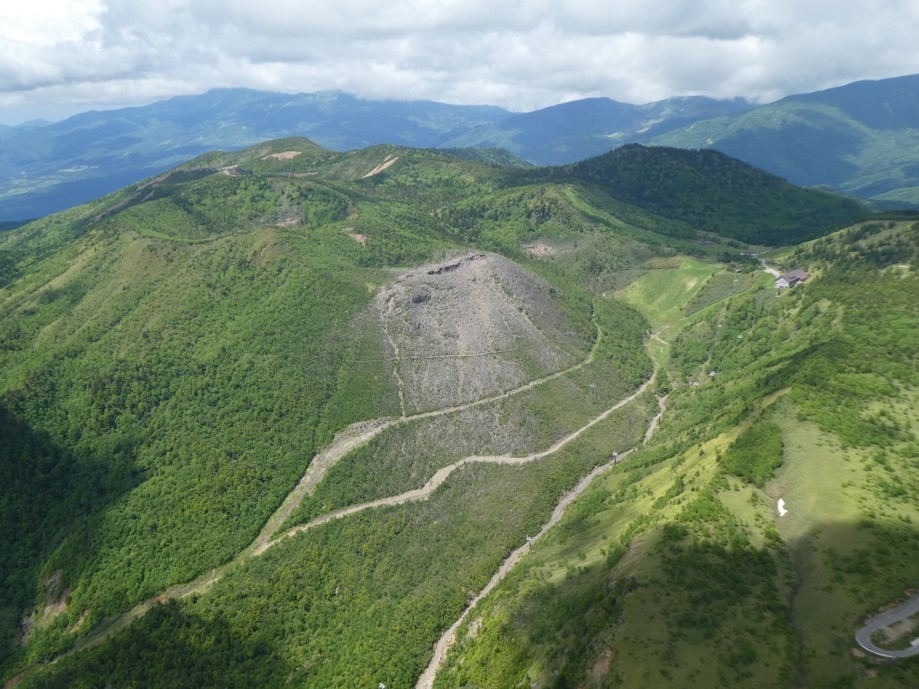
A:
(174, 356)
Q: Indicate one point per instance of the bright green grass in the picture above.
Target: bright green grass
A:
(721, 286)
(603, 543)
(662, 294)
(841, 543)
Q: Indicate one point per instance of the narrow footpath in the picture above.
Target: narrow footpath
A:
(426, 680)
(345, 442)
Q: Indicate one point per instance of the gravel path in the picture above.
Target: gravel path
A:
(442, 474)
(426, 680)
(772, 271)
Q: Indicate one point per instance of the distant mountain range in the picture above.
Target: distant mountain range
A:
(861, 139)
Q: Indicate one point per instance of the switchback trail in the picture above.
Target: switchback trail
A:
(426, 680)
(345, 441)
(442, 474)
(355, 436)
(359, 434)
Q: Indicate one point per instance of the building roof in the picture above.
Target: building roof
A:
(795, 275)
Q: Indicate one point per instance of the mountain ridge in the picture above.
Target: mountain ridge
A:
(46, 169)
(859, 139)
(248, 345)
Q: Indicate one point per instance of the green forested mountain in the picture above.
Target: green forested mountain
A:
(708, 190)
(278, 416)
(860, 139)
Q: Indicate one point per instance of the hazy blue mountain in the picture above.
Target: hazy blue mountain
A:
(50, 168)
(53, 167)
(576, 130)
(861, 139)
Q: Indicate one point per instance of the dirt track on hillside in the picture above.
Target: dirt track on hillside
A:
(443, 473)
(492, 349)
(426, 680)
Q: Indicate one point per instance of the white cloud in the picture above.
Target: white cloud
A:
(47, 22)
(520, 54)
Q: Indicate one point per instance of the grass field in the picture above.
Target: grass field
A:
(707, 584)
(663, 293)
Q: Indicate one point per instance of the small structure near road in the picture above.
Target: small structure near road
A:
(790, 279)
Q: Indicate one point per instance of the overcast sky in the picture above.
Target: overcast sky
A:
(59, 57)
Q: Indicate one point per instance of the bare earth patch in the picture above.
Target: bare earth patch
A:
(388, 161)
(286, 155)
(359, 238)
(541, 250)
(601, 667)
(471, 327)
(291, 220)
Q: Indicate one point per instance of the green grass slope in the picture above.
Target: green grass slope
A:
(172, 357)
(677, 569)
(859, 139)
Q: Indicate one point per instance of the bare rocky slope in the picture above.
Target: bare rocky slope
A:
(471, 327)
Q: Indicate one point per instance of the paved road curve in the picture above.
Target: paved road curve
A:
(901, 612)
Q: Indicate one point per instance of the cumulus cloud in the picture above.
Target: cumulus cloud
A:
(520, 54)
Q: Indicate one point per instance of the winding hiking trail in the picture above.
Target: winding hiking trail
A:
(444, 472)
(426, 680)
(357, 435)
(345, 441)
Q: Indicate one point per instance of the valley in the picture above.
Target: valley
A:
(242, 448)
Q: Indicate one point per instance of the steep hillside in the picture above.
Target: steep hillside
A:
(771, 515)
(175, 354)
(861, 139)
(280, 416)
